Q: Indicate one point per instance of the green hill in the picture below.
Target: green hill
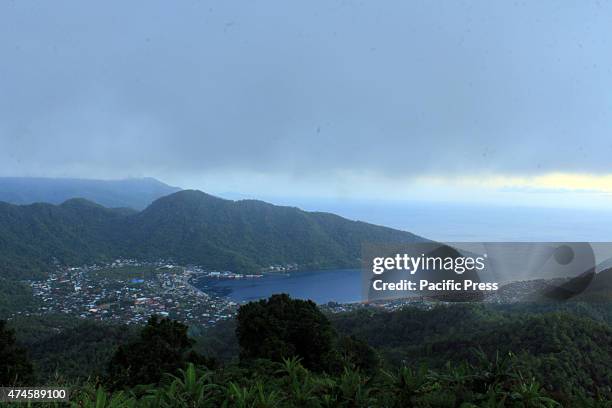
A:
(33, 236)
(565, 350)
(600, 288)
(189, 227)
(456, 350)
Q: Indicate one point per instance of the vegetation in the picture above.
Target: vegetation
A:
(288, 384)
(280, 328)
(15, 297)
(34, 237)
(187, 226)
(568, 354)
(125, 273)
(163, 347)
(15, 367)
(64, 348)
(289, 354)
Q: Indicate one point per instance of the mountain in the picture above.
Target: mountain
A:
(553, 343)
(600, 288)
(189, 227)
(33, 236)
(130, 193)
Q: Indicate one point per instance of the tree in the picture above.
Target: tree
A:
(15, 366)
(280, 327)
(358, 354)
(163, 347)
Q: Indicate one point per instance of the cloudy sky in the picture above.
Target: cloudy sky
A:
(329, 98)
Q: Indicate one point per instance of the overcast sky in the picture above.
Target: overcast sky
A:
(314, 98)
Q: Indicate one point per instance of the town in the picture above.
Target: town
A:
(129, 291)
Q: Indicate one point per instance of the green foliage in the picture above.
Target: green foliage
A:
(163, 347)
(218, 341)
(289, 384)
(246, 235)
(188, 226)
(452, 356)
(78, 351)
(358, 354)
(33, 236)
(281, 327)
(97, 397)
(570, 355)
(192, 387)
(15, 366)
(15, 297)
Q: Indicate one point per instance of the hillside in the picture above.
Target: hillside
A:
(600, 289)
(458, 348)
(188, 226)
(33, 236)
(131, 193)
(553, 345)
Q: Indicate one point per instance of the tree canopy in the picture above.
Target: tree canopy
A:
(281, 327)
(15, 366)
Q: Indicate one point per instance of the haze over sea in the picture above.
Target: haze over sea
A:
(444, 222)
(480, 223)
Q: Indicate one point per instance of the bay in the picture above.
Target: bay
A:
(334, 285)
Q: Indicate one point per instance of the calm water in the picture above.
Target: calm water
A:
(338, 285)
(450, 223)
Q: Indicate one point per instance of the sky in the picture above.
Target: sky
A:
(452, 101)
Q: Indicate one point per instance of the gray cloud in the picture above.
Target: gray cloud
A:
(397, 88)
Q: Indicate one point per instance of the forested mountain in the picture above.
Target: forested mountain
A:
(188, 226)
(32, 237)
(566, 346)
(135, 193)
(447, 356)
(600, 288)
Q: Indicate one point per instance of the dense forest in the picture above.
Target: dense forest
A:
(282, 352)
(189, 227)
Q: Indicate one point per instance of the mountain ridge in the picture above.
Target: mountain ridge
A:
(136, 193)
(188, 226)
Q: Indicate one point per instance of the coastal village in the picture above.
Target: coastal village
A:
(129, 291)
